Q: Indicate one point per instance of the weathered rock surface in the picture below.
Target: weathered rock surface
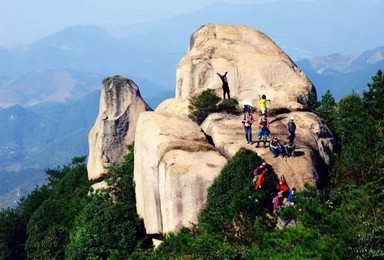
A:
(115, 126)
(177, 106)
(313, 139)
(255, 65)
(174, 166)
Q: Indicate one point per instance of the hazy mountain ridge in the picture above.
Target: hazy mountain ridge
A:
(36, 87)
(343, 74)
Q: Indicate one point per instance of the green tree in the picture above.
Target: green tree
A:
(108, 225)
(202, 104)
(12, 235)
(374, 97)
(49, 225)
(327, 109)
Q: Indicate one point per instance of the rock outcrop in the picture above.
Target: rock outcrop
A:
(313, 139)
(115, 126)
(174, 166)
(255, 65)
(177, 106)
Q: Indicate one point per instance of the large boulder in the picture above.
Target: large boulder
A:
(313, 139)
(174, 166)
(177, 106)
(115, 126)
(255, 65)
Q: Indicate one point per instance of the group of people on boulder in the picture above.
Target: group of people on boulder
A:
(263, 133)
(284, 197)
(286, 149)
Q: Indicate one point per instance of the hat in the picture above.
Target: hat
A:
(264, 164)
(275, 137)
(292, 118)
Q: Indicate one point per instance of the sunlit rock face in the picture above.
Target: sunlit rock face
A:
(174, 167)
(255, 66)
(115, 126)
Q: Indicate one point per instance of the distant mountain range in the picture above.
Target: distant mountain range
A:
(343, 74)
(41, 86)
(90, 50)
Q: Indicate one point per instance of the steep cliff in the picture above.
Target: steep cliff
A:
(174, 167)
(115, 126)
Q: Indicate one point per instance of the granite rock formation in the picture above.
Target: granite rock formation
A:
(115, 126)
(174, 167)
(255, 66)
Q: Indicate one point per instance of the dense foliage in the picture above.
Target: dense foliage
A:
(61, 220)
(345, 220)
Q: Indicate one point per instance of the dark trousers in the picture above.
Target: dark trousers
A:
(292, 136)
(248, 133)
(226, 91)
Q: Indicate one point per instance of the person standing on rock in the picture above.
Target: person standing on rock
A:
(223, 77)
(263, 104)
(263, 127)
(291, 129)
(247, 122)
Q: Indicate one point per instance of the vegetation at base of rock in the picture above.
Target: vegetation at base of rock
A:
(345, 220)
(207, 102)
(61, 220)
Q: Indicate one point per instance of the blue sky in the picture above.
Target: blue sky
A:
(25, 21)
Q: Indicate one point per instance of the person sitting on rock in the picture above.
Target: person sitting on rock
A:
(289, 148)
(263, 127)
(275, 146)
(282, 188)
(291, 196)
(223, 77)
(263, 104)
(291, 126)
(247, 122)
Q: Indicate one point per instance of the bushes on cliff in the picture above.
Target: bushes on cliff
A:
(202, 104)
(229, 105)
(233, 195)
(232, 219)
(48, 228)
(207, 102)
(107, 228)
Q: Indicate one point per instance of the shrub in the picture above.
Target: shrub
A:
(230, 105)
(201, 105)
(106, 228)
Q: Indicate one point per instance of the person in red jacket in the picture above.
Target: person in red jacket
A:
(282, 188)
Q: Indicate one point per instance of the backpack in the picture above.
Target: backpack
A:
(247, 108)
